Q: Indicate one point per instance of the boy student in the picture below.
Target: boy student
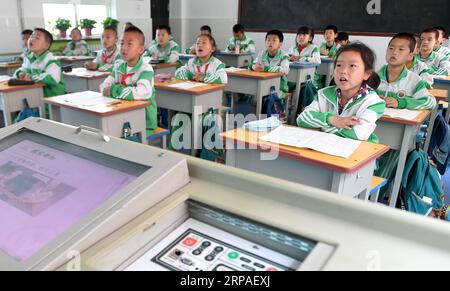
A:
(131, 78)
(342, 39)
(329, 47)
(439, 47)
(419, 67)
(165, 49)
(110, 53)
(274, 59)
(204, 30)
(76, 47)
(240, 43)
(400, 87)
(438, 64)
(26, 34)
(40, 65)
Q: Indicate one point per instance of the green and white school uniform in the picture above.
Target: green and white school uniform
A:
(79, 48)
(44, 69)
(134, 83)
(421, 69)
(439, 65)
(246, 45)
(310, 53)
(169, 55)
(332, 51)
(25, 52)
(366, 105)
(213, 70)
(106, 59)
(276, 64)
(443, 51)
(409, 89)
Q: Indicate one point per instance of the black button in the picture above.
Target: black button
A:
(258, 265)
(248, 268)
(197, 252)
(245, 260)
(209, 258)
(218, 249)
(206, 244)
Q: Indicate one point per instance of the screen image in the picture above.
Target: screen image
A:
(44, 191)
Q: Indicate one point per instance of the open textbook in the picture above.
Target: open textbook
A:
(402, 113)
(320, 141)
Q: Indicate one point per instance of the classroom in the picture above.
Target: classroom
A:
(237, 135)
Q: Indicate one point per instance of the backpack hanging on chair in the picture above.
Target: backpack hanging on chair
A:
(307, 93)
(26, 112)
(126, 133)
(214, 153)
(273, 105)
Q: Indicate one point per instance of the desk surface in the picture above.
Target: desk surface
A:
(445, 79)
(10, 65)
(417, 121)
(231, 54)
(302, 65)
(366, 152)
(84, 73)
(255, 75)
(163, 66)
(4, 88)
(206, 88)
(73, 58)
(327, 60)
(441, 95)
(103, 110)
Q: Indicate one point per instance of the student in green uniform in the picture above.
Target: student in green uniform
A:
(165, 49)
(438, 64)
(204, 67)
(76, 47)
(329, 47)
(351, 108)
(305, 50)
(41, 66)
(109, 54)
(342, 39)
(274, 59)
(400, 87)
(26, 34)
(131, 78)
(439, 48)
(204, 30)
(240, 42)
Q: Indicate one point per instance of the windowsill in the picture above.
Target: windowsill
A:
(94, 37)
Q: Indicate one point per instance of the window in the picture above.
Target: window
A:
(74, 12)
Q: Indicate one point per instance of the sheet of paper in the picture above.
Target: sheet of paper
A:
(82, 72)
(233, 69)
(402, 113)
(87, 99)
(187, 85)
(4, 78)
(318, 141)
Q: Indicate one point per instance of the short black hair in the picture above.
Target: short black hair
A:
(206, 27)
(431, 30)
(406, 36)
(134, 29)
(76, 28)
(331, 27)
(441, 28)
(48, 36)
(27, 32)
(306, 30)
(342, 36)
(238, 28)
(112, 28)
(277, 33)
(165, 27)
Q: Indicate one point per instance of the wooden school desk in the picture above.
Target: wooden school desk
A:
(235, 60)
(184, 58)
(194, 101)
(108, 116)
(9, 68)
(326, 68)
(75, 62)
(440, 95)
(165, 69)
(80, 80)
(11, 99)
(253, 83)
(399, 134)
(350, 177)
(444, 84)
(299, 73)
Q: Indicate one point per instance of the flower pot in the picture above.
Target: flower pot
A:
(63, 33)
(88, 31)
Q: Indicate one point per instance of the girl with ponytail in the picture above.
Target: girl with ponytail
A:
(350, 108)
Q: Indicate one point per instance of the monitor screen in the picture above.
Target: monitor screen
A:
(46, 186)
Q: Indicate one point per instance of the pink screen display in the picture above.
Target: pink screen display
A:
(44, 191)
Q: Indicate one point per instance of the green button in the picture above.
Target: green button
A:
(233, 255)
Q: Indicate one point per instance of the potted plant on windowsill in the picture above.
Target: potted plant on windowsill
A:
(87, 25)
(62, 25)
(110, 22)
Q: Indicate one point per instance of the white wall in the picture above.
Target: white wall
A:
(9, 27)
(136, 11)
(221, 15)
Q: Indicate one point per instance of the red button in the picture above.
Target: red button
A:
(271, 270)
(189, 242)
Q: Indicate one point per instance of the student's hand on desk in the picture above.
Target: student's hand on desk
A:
(344, 122)
(91, 66)
(391, 102)
(294, 58)
(25, 76)
(198, 77)
(107, 92)
(258, 68)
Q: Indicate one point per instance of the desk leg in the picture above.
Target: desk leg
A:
(330, 73)
(408, 135)
(430, 129)
(447, 115)
(55, 113)
(230, 155)
(259, 99)
(295, 101)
